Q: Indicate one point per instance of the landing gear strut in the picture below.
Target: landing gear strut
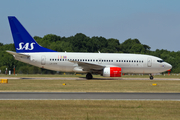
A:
(89, 76)
(151, 77)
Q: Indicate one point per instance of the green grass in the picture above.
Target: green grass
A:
(31, 85)
(89, 110)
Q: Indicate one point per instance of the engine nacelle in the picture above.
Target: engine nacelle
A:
(112, 72)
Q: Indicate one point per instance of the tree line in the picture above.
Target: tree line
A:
(82, 43)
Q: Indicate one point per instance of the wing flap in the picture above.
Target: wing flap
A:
(89, 66)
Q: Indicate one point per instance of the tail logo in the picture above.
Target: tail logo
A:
(26, 46)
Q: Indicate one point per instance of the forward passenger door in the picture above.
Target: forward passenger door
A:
(149, 62)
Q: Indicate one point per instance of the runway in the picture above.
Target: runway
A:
(87, 96)
(83, 78)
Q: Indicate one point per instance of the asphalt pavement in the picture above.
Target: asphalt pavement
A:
(87, 96)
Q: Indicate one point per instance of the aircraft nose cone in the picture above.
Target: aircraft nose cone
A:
(168, 66)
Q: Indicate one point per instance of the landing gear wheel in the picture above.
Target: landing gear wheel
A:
(151, 77)
(89, 76)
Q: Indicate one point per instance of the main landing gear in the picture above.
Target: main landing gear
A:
(151, 77)
(89, 76)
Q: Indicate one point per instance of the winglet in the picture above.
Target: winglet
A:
(23, 41)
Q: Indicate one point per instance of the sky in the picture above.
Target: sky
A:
(155, 23)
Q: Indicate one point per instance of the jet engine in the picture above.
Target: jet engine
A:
(112, 72)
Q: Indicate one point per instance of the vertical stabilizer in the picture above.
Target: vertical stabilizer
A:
(23, 41)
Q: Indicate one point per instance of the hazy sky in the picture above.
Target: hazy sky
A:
(154, 22)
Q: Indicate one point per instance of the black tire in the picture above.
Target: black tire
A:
(151, 77)
(89, 76)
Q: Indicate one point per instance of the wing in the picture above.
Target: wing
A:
(89, 66)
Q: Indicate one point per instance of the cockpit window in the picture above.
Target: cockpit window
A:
(160, 61)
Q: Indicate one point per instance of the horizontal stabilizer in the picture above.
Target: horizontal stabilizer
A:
(17, 54)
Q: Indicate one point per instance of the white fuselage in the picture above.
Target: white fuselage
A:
(63, 61)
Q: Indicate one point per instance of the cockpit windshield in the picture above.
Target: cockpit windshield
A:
(160, 61)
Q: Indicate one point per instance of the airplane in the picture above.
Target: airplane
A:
(105, 64)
